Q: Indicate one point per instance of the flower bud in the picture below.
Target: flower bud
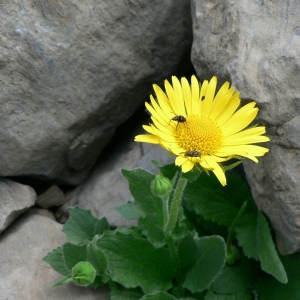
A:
(161, 185)
(233, 255)
(83, 274)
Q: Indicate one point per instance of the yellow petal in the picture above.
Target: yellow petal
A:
(240, 123)
(180, 160)
(195, 96)
(147, 138)
(187, 95)
(218, 171)
(209, 96)
(241, 112)
(172, 98)
(221, 101)
(187, 166)
(231, 141)
(230, 108)
(163, 100)
(178, 96)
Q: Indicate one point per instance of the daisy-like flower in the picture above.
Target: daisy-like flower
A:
(202, 127)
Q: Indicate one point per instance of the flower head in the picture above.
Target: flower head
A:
(203, 127)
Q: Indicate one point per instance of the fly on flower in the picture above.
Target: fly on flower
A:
(214, 125)
(193, 153)
(178, 119)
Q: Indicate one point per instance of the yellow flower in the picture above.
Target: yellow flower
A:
(200, 127)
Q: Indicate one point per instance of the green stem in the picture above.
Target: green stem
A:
(232, 227)
(165, 201)
(173, 252)
(175, 204)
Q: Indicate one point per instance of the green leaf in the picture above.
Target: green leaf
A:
(98, 259)
(56, 260)
(170, 170)
(236, 278)
(202, 260)
(162, 296)
(158, 296)
(270, 289)
(246, 235)
(125, 294)
(237, 296)
(63, 259)
(153, 223)
(82, 226)
(193, 174)
(129, 211)
(63, 281)
(134, 262)
(268, 256)
(155, 163)
(213, 201)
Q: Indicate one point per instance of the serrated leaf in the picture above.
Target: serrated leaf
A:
(246, 235)
(153, 223)
(134, 262)
(270, 289)
(202, 260)
(98, 259)
(158, 296)
(210, 295)
(56, 260)
(63, 259)
(125, 294)
(82, 226)
(236, 278)
(129, 211)
(215, 202)
(162, 296)
(268, 256)
(74, 254)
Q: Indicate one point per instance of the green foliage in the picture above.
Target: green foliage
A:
(198, 241)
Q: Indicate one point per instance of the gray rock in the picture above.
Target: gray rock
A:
(106, 187)
(71, 72)
(15, 198)
(256, 45)
(54, 196)
(23, 273)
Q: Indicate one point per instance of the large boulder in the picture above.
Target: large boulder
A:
(23, 273)
(15, 199)
(256, 45)
(72, 71)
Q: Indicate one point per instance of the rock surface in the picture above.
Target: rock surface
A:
(23, 274)
(71, 72)
(256, 45)
(15, 199)
(54, 196)
(106, 187)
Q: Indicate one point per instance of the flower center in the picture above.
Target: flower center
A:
(199, 134)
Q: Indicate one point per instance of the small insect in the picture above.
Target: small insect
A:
(192, 153)
(178, 119)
